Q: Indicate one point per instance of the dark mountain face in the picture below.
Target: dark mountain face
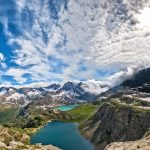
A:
(117, 121)
(53, 86)
(75, 87)
(138, 85)
(79, 92)
(140, 79)
(69, 86)
(7, 89)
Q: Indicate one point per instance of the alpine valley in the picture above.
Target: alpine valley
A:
(74, 74)
(118, 118)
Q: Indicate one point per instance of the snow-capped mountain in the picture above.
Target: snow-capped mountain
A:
(69, 92)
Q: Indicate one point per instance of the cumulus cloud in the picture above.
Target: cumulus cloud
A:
(95, 86)
(121, 76)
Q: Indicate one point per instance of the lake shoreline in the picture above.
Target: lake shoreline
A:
(81, 107)
(59, 129)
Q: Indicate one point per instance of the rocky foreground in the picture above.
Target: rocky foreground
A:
(143, 144)
(119, 120)
(18, 139)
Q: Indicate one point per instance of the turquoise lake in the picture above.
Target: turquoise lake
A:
(66, 107)
(66, 136)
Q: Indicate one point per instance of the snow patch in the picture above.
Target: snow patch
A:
(33, 93)
(15, 96)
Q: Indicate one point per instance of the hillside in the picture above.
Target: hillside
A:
(18, 139)
(117, 121)
(123, 115)
(17, 129)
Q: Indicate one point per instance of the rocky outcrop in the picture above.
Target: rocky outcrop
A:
(20, 146)
(18, 139)
(143, 144)
(117, 121)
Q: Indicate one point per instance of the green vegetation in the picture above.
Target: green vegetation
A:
(81, 113)
(19, 128)
(9, 134)
(118, 106)
(7, 115)
(134, 101)
(99, 102)
(36, 117)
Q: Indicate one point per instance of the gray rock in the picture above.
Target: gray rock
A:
(117, 122)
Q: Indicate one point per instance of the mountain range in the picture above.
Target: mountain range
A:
(76, 92)
(52, 95)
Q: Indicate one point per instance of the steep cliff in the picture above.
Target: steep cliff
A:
(117, 121)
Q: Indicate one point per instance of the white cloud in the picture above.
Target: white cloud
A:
(17, 74)
(102, 35)
(2, 61)
(143, 18)
(121, 76)
(6, 84)
(94, 86)
(35, 85)
(3, 65)
(1, 57)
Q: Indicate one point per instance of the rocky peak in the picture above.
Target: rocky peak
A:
(53, 86)
(69, 86)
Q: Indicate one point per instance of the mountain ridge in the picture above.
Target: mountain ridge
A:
(123, 115)
(69, 92)
(138, 85)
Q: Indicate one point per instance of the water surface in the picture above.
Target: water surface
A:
(67, 107)
(63, 135)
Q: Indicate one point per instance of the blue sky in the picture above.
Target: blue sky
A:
(44, 41)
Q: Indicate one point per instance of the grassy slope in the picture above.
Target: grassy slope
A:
(81, 112)
(7, 115)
